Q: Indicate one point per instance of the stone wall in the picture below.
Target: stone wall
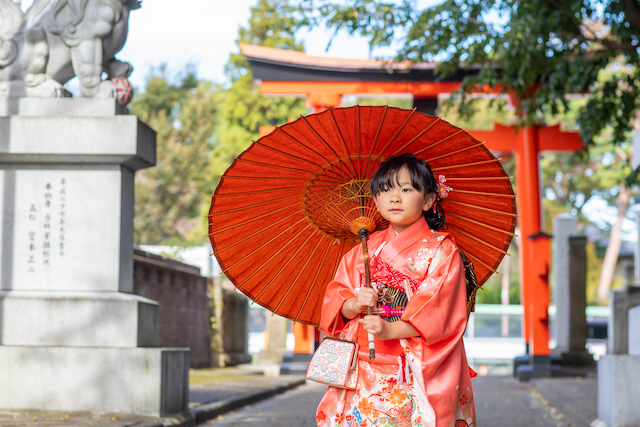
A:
(181, 293)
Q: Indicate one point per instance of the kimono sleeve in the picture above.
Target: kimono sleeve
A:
(438, 310)
(340, 289)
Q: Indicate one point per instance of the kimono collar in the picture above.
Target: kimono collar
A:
(409, 236)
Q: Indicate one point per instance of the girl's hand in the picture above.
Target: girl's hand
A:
(366, 297)
(352, 307)
(375, 325)
(383, 330)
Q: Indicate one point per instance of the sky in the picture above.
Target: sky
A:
(204, 32)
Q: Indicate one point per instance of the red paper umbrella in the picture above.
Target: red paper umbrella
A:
(290, 206)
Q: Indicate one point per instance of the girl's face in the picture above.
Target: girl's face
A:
(402, 205)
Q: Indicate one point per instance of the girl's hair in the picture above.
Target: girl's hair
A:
(422, 179)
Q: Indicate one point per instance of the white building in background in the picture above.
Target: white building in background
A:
(199, 256)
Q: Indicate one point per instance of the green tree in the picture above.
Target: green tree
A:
(570, 180)
(169, 197)
(201, 127)
(536, 50)
(491, 291)
(243, 108)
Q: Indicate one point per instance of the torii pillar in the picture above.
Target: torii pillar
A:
(535, 250)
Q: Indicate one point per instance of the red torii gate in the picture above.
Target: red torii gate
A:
(323, 81)
(535, 253)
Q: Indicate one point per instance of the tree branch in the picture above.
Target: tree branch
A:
(611, 44)
(624, 156)
(631, 10)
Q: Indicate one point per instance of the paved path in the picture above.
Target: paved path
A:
(505, 402)
(575, 398)
(500, 402)
(295, 408)
(228, 394)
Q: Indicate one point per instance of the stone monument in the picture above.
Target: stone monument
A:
(55, 40)
(73, 337)
(231, 335)
(564, 226)
(570, 296)
(618, 379)
(619, 369)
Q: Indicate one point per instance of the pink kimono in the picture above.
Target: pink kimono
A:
(419, 381)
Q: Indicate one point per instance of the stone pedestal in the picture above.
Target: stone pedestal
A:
(72, 335)
(618, 379)
(634, 331)
(619, 374)
(77, 319)
(147, 381)
(533, 366)
(620, 301)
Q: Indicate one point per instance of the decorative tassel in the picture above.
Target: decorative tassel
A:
(404, 372)
(472, 373)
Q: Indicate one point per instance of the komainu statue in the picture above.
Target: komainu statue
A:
(55, 40)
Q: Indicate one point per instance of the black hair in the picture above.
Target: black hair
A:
(422, 178)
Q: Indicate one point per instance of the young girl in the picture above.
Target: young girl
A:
(420, 375)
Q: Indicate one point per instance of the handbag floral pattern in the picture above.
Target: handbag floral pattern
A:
(335, 363)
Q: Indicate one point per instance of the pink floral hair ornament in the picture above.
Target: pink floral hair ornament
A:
(443, 188)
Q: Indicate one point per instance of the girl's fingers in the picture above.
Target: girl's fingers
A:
(371, 325)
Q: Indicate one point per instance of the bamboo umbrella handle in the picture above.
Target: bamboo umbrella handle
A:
(364, 235)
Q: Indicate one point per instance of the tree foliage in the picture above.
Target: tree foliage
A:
(571, 180)
(201, 126)
(491, 291)
(537, 51)
(243, 108)
(169, 197)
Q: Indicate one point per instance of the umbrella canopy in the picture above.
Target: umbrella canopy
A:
(290, 206)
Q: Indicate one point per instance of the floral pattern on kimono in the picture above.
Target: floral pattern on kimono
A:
(379, 400)
(441, 384)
